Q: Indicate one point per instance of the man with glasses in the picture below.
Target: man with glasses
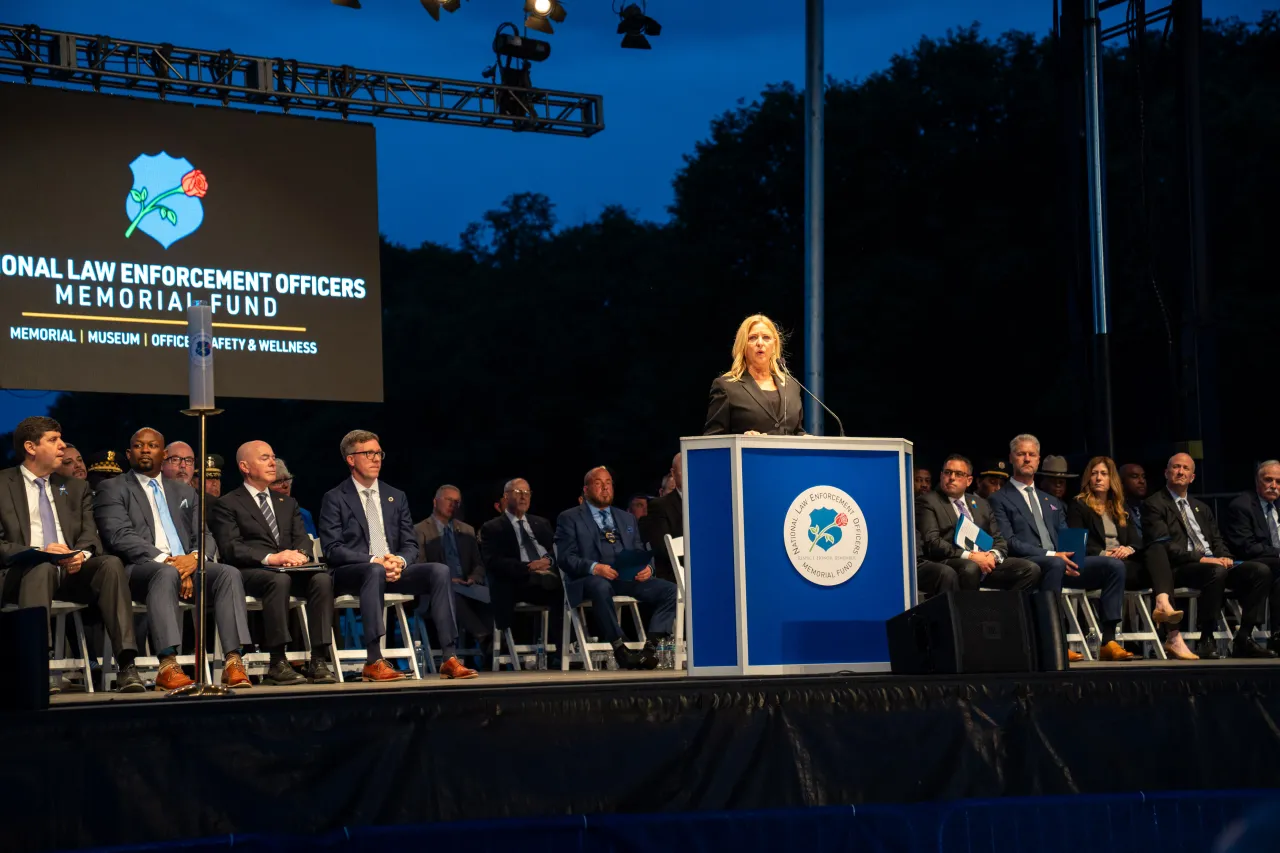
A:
(957, 566)
(518, 552)
(1199, 556)
(590, 539)
(445, 539)
(366, 532)
(1251, 525)
(179, 463)
(283, 485)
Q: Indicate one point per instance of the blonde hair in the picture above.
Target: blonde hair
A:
(1114, 502)
(777, 364)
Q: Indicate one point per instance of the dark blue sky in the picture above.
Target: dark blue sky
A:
(434, 179)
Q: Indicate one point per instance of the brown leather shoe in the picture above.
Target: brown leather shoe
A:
(453, 668)
(233, 674)
(1074, 656)
(380, 670)
(171, 677)
(1114, 651)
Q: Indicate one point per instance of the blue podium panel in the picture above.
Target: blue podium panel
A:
(814, 550)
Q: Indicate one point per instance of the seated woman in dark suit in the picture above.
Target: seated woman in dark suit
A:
(754, 397)
(1100, 509)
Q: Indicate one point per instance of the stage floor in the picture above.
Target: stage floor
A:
(582, 679)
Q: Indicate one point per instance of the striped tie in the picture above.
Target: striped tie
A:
(269, 514)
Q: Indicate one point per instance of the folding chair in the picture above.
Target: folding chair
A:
(1138, 614)
(148, 661)
(60, 663)
(575, 620)
(514, 649)
(1222, 633)
(675, 552)
(1073, 602)
(391, 600)
(257, 663)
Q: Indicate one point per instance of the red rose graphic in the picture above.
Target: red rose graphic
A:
(842, 520)
(194, 183)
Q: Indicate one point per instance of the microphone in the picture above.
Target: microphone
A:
(820, 403)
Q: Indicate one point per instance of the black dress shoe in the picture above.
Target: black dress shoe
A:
(319, 673)
(128, 680)
(1273, 642)
(1210, 651)
(628, 659)
(1247, 647)
(649, 656)
(282, 674)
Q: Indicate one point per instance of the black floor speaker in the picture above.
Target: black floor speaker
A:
(24, 659)
(972, 632)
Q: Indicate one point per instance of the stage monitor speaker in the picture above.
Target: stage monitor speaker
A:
(962, 632)
(24, 664)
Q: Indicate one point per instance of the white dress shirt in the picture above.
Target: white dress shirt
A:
(522, 523)
(161, 541)
(39, 538)
(1021, 488)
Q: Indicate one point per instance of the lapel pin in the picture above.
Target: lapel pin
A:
(390, 499)
(62, 490)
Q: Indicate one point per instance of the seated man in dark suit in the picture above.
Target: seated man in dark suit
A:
(260, 532)
(1031, 519)
(73, 464)
(518, 553)
(1249, 525)
(40, 508)
(666, 516)
(591, 536)
(937, 512)
(1133, 479)
(151, 524)
(1186, 528)
(367, 535)
(444, 539)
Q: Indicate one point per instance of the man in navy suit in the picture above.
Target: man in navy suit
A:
(1251, 526)
(1031, 520)
(589, 539)
(367, 535)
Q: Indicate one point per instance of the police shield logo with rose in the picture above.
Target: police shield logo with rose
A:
(825, 534)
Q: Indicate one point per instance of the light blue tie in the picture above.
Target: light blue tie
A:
(166, 521)
(606, 520)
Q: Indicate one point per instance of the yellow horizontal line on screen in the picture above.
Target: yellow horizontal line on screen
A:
(161, 322)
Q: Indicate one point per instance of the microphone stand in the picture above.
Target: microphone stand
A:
(839, 425)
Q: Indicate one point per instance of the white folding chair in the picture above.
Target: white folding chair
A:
(60, 663)
(514, 649)
(675, 552)
(148, 661)
(1074, 602)
(1142, 626)
(1222, 632)
(257, 663)
(575, 621)
(392, 600)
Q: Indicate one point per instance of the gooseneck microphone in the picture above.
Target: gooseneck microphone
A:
(819, 401)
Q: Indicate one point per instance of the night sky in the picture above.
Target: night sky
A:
(435, 179)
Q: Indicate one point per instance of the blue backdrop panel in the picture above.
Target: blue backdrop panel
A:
(839, 624)
(710, 556)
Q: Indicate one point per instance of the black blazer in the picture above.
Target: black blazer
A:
(1246, 530)
(1082, 517)
(72, 502)
(936, 523)
(1162, 523)
(431, 547)
(738, 406)
(243, 534)
(500, 551)
(666, 515)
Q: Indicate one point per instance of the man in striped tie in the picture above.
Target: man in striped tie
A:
(261, 532)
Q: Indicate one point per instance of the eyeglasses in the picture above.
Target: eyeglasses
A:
(181, 460)
(951, 472)
(370, 454)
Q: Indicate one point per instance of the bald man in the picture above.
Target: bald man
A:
(1185, 526)
(260, 532)
(179, 462)
(151, 524)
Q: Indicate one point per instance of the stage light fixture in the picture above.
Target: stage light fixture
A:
(433, 7)
(515, 56)
(350, 4)
(540, 13)
(635, 25)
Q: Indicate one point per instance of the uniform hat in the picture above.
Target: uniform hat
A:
(1055, 466)
(104, 462)
(994, 468)
(213, 466)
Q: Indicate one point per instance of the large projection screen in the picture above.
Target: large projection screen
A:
(118, 213)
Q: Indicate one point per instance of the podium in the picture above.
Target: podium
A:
(797, 549)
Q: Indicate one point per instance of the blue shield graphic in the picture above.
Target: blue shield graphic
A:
(823, 530)
(156, 204)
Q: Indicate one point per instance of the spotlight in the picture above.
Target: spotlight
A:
(517, 47)
(433, 7)
(540, 14)
(350, 4)
(516, 56)
(636, 25)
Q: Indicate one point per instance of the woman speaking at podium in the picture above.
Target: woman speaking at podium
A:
(755, 397)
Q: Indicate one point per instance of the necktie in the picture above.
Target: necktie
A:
(270, 515)
(373, 517)
(1271, 526)
(451, 555)
(1046, 542)
(526, 541)
(963, 508)
(606, 519)
(1194, 542)
(48, 527)
(166, 521)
